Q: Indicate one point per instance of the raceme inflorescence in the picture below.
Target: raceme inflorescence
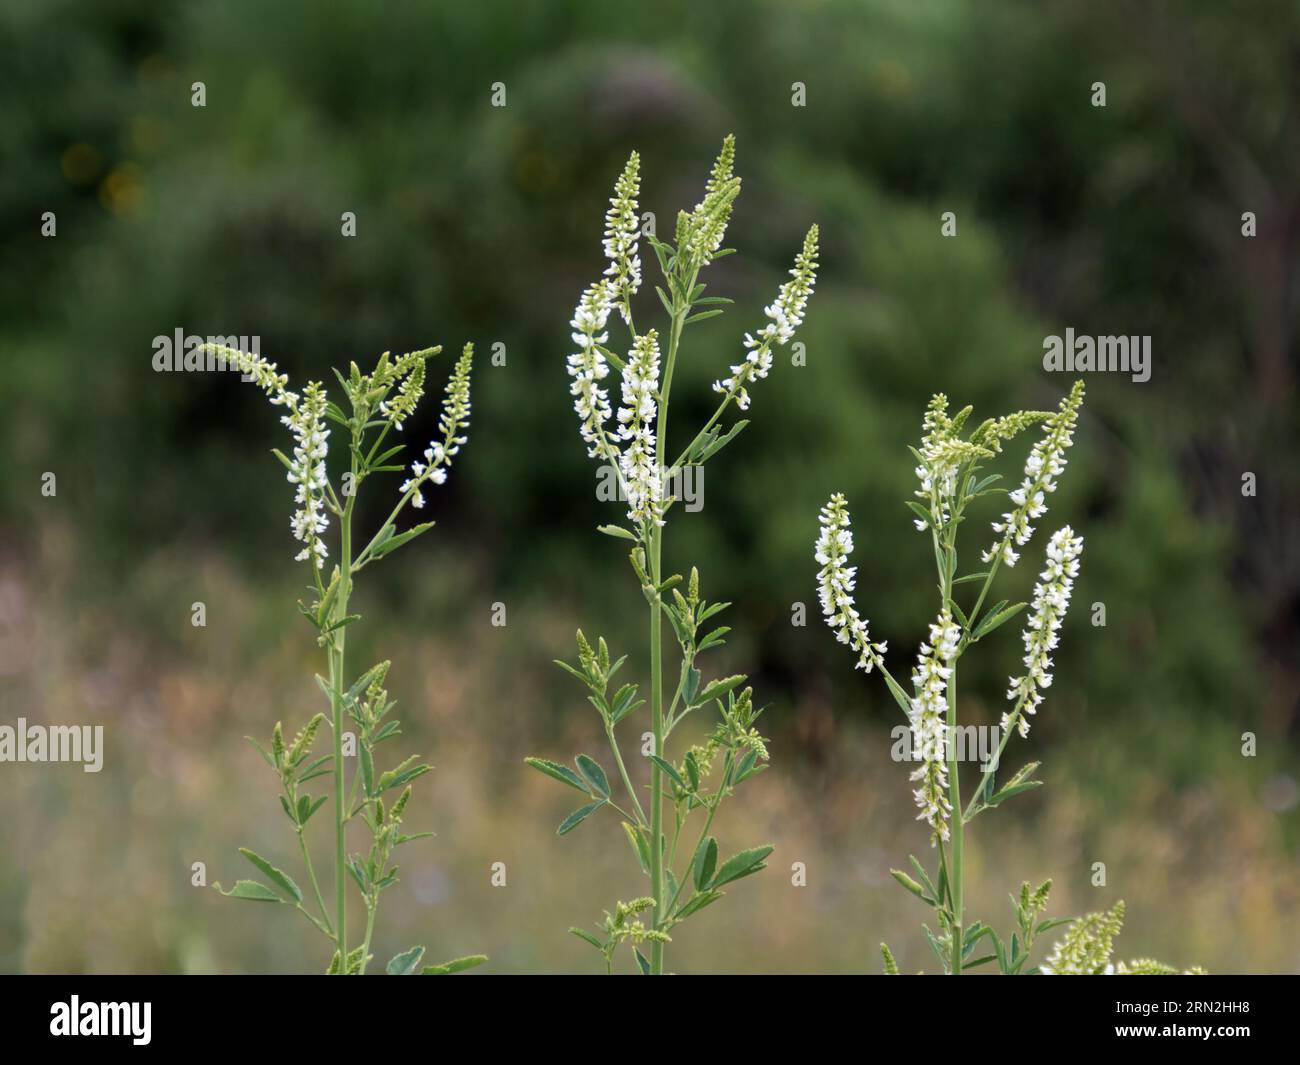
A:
(688, 787)
(950, 461)
(377, 404)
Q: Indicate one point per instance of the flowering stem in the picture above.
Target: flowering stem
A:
(707, 426)
(971, 809)
(984, 591)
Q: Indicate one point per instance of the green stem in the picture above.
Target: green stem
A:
(708, 823)
(974, 616)
(337, 682)
(311, 876)
(954, 798)
(656, 662)
(371, 908)
(622, 772)
(943, 552)
(972, 808)
(656, 774)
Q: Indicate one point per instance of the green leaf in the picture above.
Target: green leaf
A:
(641, 962)
(251, 890)
(381, 459)
(740, 865)
(936, 946)
(1016, 784)
(705, 862)
(992, 621)
(920, 512)
(714, 444)
(588, 937)
(357, 874)
(456, 965)
(266, 755)
(714, 638)
(401, 776)
(671, 770)
(745, 767)
(690, 685)
(1013, 789)
(911, 885)
(708, 611)
(692, 770)
(593, 775)
(616, 531)
(701, 316)
(392, 543)
(308, 806)
(720, 687)
(971, 577)
(367, 770)
(698, 902)
(562, 773)
(576, 672)
(925, 877)
(624, 703)
(578, 816)
(280, 879)
(640, 846)
(405, 964)
(319, 768)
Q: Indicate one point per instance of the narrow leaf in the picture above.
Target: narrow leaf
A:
(405, 964)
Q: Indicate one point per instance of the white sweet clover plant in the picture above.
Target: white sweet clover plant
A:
(688, 787)
(949, 468)
(376, 405)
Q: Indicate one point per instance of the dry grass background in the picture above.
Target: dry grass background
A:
(96, 868)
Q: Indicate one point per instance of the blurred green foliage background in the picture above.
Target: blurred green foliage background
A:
(482, 223)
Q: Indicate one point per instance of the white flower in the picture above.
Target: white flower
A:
(452, 423)
(940, 458)
(835, 583)
(587, 367)
(636, 418)
(1046, 462)
(622, 231)
(786, 315)
(306, 469)
(1051, 600)
(928, 718)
